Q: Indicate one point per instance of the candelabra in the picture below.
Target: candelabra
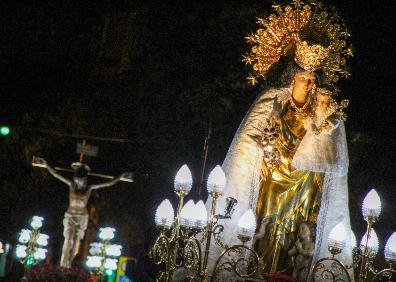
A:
(30, 251)
(332, 269)
(103, 257)
(182, 247)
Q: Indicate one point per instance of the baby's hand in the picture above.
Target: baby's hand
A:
(39, 162)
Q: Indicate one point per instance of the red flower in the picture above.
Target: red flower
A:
(55, 273)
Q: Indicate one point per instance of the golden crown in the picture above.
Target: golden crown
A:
(323, 91)
(310, 57)
(287, 29)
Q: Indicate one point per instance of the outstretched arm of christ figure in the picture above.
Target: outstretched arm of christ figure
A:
(43, 163)
(125, 175)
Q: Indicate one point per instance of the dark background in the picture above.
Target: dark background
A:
(158, 73)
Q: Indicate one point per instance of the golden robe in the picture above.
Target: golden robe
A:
(287, 196)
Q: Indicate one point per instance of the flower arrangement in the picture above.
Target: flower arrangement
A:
(51, 273)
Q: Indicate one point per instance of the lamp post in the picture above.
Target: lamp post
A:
(363, 255)
(371, 209)
(185, 239)
(30, 249)
(103, 257)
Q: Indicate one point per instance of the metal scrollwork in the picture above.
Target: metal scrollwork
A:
(240, 260)
(385, 275)
(192, 255)
(330, 269)
(160, 250)
(217, 231)
(356, 258)
(162, 276)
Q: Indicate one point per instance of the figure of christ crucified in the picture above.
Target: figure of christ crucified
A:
(75, 221)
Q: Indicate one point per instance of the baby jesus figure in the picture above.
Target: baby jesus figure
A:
(318, 149)
(324, 119)
(302, 251)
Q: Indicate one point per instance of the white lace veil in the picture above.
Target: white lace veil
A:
(242, 166)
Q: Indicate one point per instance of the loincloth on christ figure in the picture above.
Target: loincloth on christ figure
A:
(75, 222)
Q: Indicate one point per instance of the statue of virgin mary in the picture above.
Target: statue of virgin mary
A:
(271, 166)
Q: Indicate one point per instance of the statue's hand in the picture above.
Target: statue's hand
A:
(126, 175)
(39, 161)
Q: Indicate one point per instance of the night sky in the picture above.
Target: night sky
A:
(157, 75)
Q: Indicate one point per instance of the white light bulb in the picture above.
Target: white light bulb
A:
(247, 224)
(110, 264)
(37, 222)
(95, 248)
(201, 215)
(372, 243)
(42, 239)
(24, 236)
(40, 254)
(371, 206)
(94, 261)
(20, 251)
(106, 233)
(165, 215)
(187, 214)
(390, 248)
(183, 180)
(216, 180)
(113, 250)
(353, 240)
(337, 236)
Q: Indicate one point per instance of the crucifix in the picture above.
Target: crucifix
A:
(75, 221)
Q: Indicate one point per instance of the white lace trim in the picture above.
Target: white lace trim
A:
(242, 166)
